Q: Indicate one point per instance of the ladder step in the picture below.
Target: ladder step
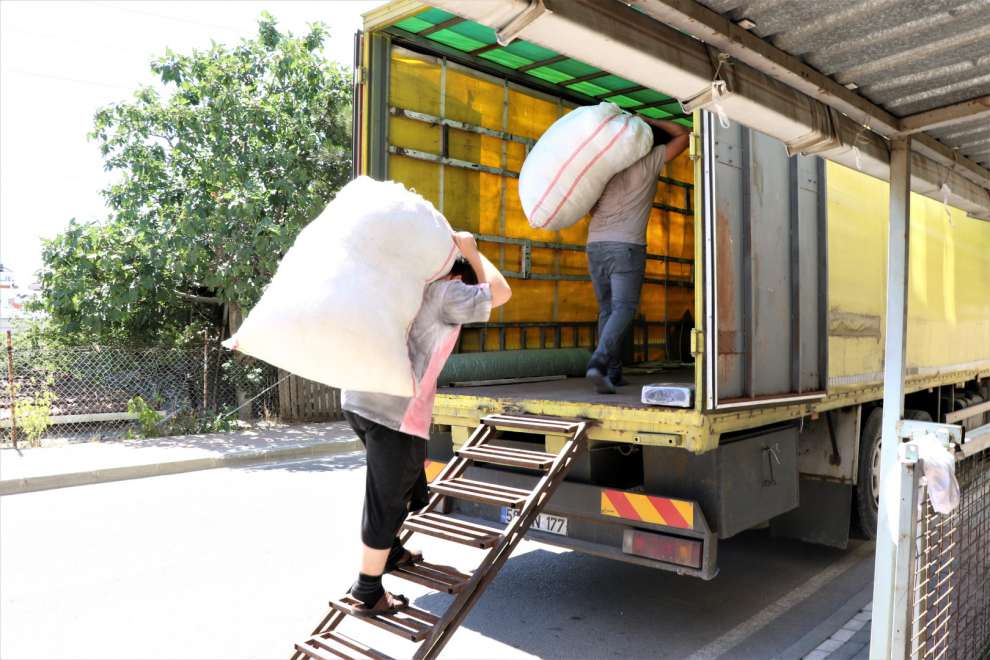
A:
(479, 491)
(532, 423)
(534, 460)
(452, 529)
(411, 622)
(331, 645)
(435, 576)
(418, 625)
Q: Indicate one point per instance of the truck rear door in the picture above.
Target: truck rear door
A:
(765, 270)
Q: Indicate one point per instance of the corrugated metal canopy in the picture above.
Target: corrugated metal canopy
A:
(907, 56)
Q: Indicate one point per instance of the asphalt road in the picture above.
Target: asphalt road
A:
(239, 563)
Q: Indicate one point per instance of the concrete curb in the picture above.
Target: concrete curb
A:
(240, 458)
(823, 631)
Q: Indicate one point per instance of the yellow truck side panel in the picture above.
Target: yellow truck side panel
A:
(949, 282)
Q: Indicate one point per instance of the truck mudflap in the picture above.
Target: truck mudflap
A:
(631, 526)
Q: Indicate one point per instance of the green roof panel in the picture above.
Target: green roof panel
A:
(589, 88)
(574, 68)
(505, 58)
(622, 101)
(531, 52)
(549, 73)
(475, 31)
(613, 82)
(458, 41)
(648, 96)
(414, 24)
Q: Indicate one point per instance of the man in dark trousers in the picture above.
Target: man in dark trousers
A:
(395, 429)
(617, 248)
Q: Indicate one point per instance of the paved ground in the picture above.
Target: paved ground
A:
(33, 469)
(239, 562)
(850, 642)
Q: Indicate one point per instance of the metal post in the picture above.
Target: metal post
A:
(206, 369)
(907, 514)
(893, 394)
(12, 389)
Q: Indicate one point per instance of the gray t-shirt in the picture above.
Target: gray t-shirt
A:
(447, 305)
(623, 211)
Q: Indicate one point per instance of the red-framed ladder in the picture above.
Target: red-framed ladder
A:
(433, 632)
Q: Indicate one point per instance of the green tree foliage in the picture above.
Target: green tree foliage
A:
(215, 179)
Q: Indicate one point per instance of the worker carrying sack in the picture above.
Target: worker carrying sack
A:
(568, 168)
(339, 308)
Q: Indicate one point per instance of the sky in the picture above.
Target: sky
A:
(61, 61)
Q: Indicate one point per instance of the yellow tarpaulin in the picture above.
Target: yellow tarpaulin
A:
(948, 285)
(488, 204)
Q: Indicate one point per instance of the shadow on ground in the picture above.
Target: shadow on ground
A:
(555, 604)
(259, 438)
(349, 461)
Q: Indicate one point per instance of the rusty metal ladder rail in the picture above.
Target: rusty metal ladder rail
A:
(501, 552)
(468, 594)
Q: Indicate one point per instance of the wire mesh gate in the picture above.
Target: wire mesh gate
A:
(948, 588)
(88, 393)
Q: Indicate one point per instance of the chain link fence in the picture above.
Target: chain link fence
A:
(950, 586)
(100, 393)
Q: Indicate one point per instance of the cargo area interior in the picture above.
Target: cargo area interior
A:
(463, 113)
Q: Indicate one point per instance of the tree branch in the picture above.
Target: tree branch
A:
(208, 300)
(164, 137)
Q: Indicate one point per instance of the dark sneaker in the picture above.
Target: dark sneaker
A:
(602, 383)
(618, 380)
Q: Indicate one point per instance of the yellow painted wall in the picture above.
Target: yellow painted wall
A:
(949, 283)
(489, 204)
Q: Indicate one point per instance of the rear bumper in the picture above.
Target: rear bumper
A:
(600, 519)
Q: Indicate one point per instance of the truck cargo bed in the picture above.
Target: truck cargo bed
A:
(576, 390)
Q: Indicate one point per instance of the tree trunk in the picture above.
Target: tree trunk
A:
(235, 317)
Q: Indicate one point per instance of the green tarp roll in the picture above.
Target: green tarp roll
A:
(495, 365)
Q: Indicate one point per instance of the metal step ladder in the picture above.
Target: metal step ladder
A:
(416, 625)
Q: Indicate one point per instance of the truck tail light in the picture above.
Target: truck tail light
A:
(662, 547)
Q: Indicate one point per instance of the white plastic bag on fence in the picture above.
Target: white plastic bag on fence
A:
(568, 168)
(344, 296)
(940, 473)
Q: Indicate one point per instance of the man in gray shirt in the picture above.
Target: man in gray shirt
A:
(617, 248)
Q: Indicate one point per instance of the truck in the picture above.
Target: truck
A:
(763, 303)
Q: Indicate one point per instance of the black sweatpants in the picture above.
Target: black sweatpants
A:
(395, 481)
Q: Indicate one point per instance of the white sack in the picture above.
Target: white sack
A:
(940, 473)
(339, 308)
(568, 168)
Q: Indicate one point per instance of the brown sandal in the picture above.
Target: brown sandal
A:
(387, 604)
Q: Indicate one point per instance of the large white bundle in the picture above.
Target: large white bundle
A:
(341, 303)
(568, 168)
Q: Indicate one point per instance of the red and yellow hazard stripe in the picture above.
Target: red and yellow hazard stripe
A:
(647, 508)
(433, 469)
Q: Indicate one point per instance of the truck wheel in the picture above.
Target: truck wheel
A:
(868, 482)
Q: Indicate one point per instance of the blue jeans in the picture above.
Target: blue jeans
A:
(617, 271)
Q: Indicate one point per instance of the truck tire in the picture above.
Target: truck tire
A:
(867, 493)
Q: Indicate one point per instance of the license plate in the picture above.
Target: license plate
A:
(544, 522)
